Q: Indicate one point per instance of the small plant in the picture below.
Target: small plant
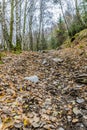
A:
(81, 47)
(1, 62)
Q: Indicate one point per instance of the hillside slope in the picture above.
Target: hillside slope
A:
(79, 40)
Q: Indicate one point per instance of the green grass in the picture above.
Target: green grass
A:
(1, 62)
(17, 52)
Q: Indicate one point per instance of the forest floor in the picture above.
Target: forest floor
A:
(57, 101)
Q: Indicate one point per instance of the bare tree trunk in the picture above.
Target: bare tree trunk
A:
(30, 33)
(20, 15)
(11, 21)
(4, 27)
(2, 38)
(18, 40)
(32, 4)
(24, 25)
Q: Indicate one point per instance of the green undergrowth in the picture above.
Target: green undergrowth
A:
(76, 39)
(17, 52)
(1, 62)
(67, 43)
(2, 54)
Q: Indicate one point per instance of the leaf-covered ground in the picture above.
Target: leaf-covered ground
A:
(58, 101)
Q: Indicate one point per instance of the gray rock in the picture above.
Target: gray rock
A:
(80, 100)
(79, 85)
(34, 79)
(18, 125)
(44, 61)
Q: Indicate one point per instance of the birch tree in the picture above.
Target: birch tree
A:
(24, 24)
(4, 26)
(18, 37)
(31, 16)
(11, 22)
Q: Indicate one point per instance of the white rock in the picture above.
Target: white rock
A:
(61, 128)
(57, 60)
(34, 78)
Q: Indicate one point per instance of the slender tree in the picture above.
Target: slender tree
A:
(11, 22)
(18, 38)
(24, 24)
(4, 26)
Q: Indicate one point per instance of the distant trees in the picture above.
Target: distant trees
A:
(78, 22)
(74, 16)
(84, 11)
(61, 32)
(73, 19)
(59, 35)
(19, 27)
(41, 37)
(24, 23)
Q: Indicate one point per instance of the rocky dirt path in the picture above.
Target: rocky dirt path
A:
(56, 98)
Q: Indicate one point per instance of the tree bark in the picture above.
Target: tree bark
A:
(18, 40)
(4, 26)
(11, 22)
(24, 24)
